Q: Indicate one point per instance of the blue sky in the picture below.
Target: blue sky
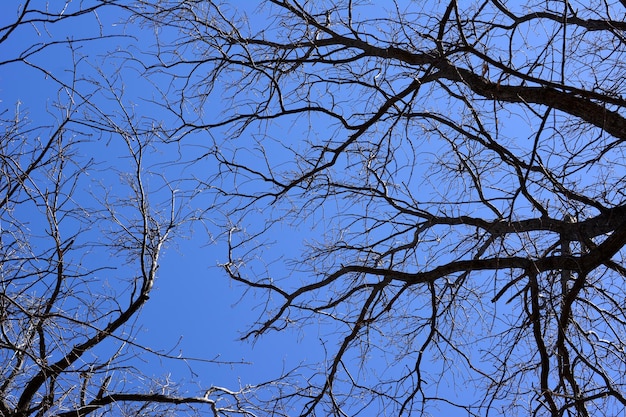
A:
(195, 310)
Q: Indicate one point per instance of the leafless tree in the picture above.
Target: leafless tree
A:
(454, 175)
(84, 217)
